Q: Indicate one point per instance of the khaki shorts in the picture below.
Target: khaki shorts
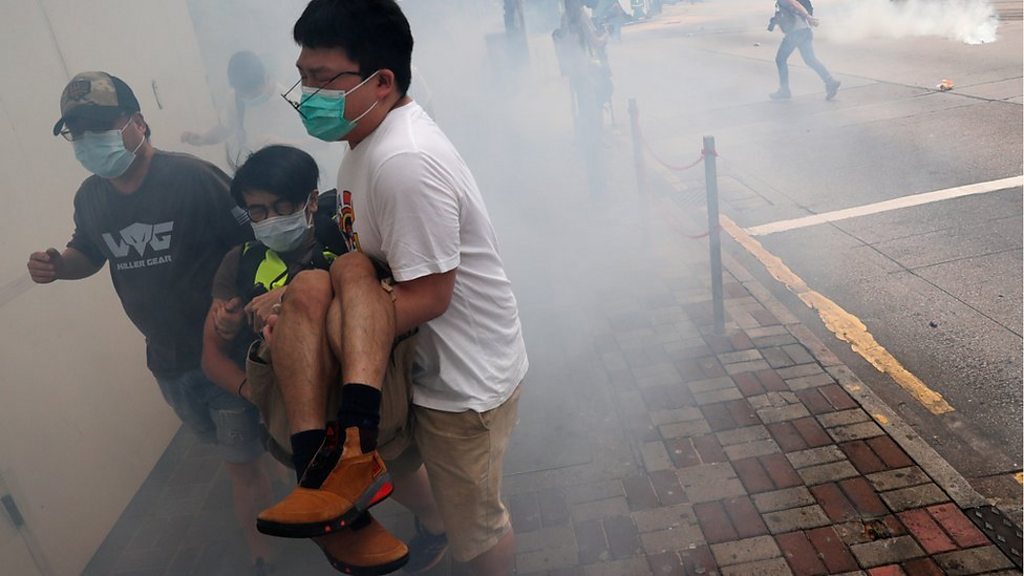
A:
(395, 433)
(464, 452)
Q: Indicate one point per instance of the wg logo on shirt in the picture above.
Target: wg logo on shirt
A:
(141, 237)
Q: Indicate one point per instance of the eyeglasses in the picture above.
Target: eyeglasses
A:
(281, 207)
(298, 103)
(86, 125)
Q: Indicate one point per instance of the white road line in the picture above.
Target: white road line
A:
(895, 204)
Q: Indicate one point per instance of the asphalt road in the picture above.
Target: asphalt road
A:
(938, 285)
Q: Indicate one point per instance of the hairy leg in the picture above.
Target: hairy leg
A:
(413, 492)
(303, 363)
(361, 321)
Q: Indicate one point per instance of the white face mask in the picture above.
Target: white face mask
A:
(103, 153)
(283, 233)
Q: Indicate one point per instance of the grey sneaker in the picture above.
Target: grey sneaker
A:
(781, 94)
(425, 550)
(831, 88)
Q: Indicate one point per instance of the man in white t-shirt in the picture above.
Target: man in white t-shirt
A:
(408, 202)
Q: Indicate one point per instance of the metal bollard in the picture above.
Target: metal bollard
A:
(714, 239)
(638, 149)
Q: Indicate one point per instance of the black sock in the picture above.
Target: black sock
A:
(360, 407)
(304, 447)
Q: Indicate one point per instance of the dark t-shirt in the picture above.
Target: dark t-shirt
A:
(164, 243)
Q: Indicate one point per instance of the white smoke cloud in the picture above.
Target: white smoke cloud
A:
(968, 21)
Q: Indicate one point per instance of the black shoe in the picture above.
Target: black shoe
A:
(831, 88)
(425, 550)
(782, 94)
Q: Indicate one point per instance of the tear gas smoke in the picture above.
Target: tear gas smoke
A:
(968, 21)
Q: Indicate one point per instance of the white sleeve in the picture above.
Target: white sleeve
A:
(416, 207)
(228, 115)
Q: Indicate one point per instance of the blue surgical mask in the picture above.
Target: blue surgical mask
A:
(283, 233)
(103, 153)
(323, 112)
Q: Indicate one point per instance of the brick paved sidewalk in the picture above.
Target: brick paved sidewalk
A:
(751, 456)
(755, 460)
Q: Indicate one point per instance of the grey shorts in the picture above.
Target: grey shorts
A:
(215, 415)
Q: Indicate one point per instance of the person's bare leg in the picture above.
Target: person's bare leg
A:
(250, 491)
(413, 491)
(362, 328)
(498, 561)
(301, 355)
(336, 483)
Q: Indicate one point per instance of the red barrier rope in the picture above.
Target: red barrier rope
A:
(650, 150)
(658, 159)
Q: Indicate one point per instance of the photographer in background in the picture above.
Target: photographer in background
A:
(795, 19)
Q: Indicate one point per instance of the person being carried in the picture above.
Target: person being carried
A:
(408, 202)
(163, 222)
(297, 238)
(795, 19)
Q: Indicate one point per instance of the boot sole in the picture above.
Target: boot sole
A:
(386, 568)
(377, 493)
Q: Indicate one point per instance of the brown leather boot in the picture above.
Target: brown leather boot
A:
(340, 484)
(365, 548)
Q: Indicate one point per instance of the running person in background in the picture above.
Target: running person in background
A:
(796, 20)
(254, 117)
(163, 222)
(410, 204)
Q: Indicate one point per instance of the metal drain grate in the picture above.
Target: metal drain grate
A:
(997, 526)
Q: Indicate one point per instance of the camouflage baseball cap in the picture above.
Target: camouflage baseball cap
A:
(96, 95)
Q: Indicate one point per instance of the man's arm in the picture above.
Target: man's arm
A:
(72, 264)
(423, 299)
(215, 135)
(216, 362)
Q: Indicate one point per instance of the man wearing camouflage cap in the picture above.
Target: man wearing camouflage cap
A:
(163, 221)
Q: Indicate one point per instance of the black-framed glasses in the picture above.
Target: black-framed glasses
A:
(281, 207)
(298, 103)
(90, 126)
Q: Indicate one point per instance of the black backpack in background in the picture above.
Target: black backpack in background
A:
(784, 15)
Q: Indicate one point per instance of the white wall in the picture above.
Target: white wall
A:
(81, 419)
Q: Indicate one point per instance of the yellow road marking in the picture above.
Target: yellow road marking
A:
(844, 325)
(1019, 476)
